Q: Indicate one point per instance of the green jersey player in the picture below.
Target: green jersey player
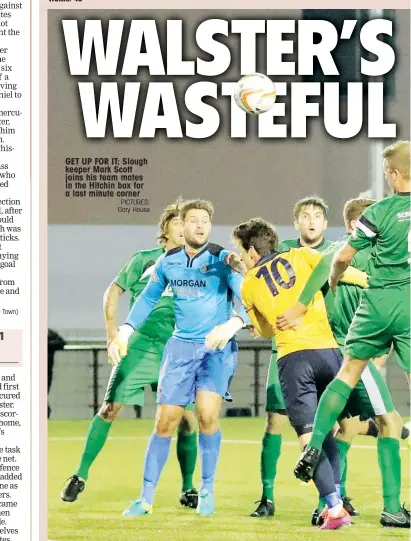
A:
(382, 319)
(141, 366)
(371, 397)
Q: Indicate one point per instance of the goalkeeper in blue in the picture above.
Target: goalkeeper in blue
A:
(200, 358)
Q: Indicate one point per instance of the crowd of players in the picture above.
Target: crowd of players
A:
(333, 312)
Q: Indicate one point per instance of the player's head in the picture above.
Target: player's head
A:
(396, 164)
(310, 219)
(196, 215)
(353, 209)
(255, 239)
(171, 228)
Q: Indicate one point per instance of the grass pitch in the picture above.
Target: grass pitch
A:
(115, 479)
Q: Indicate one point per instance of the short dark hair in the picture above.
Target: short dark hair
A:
(257, 233)
(311, 201)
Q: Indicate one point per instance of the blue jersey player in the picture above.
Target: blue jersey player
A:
(200, 358)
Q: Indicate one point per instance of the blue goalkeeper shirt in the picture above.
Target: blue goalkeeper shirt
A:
(202, 287)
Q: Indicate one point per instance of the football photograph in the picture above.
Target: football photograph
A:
(229, 252)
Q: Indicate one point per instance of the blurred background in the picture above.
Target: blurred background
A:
(89, 241)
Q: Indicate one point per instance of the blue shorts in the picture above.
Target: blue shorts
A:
(189, 367)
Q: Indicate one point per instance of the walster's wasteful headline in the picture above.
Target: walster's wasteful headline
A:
(133, 50)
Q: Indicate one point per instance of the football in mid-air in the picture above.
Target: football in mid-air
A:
(255, 93)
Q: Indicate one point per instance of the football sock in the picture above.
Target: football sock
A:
(389, 461)
(95, 440)
(404, 433)
(324, 476)
(209, 445)
(187, 456)
(329, 409)
(343, 448)
(331, 450)
(157, 453)
(270, 453)
(332, 499)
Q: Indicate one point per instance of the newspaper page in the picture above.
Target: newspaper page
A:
(198, 164)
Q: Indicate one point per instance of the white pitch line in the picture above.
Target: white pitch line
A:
(236, 442)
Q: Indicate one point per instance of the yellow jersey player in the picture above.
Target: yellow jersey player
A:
(308, 355)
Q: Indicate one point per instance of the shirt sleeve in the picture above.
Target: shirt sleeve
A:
(235, 281)
(149, 297)
(320, 274)
(130, 273)
(256, 319)
(366, 230)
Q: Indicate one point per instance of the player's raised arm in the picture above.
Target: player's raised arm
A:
(317, 280)
(235, 282)
(341, 262)
(123, 281)
(364, 236)
(110, 307)
(139, 312)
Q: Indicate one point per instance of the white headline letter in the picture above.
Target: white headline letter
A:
(248, 31)
(307, 49)
(134, 58)
(151, 121)
(106, 60)
(300, 109)
(220, 52)
(122, 123)
(332, 110)
(276, 47)
(384, 52)
(175, 63)
(209, 115)
(266, 125)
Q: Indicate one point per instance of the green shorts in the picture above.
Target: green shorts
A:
(140, 368)
(370, 397)
(134, 372)
(274, 398)
(382, 319)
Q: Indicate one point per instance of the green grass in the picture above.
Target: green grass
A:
(115, 479)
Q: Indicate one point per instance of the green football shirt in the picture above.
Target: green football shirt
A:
(347, 297)
(134, 277)
(385, 226)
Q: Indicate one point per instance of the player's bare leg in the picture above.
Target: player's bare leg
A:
(380, 361)
(96, 438)
(167, 420)
(187, 455)
(270, 454)
(208, 406)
